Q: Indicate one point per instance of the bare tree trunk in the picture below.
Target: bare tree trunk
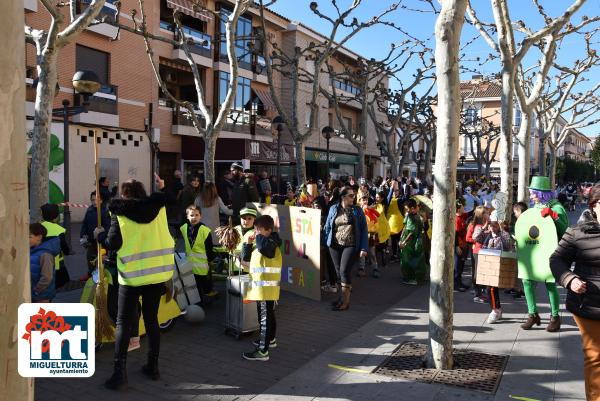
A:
(552, 166)
(48, 45)
(393, 164)
(300, 161)
(524, 140)
(40, 141)
(360, 167)
(14, 265)
(441, 304)
(506, 165)
(542, 155)
(210, 146)
(427, 169)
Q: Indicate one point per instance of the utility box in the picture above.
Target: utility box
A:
(497, 268)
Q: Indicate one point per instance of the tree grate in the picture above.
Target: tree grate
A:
(473, 370)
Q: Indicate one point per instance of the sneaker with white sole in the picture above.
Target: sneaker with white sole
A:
(256, 356)
(494, 316)
(272, 344)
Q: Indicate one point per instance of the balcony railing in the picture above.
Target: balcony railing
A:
(345, 86)
(180, 117)
(246, 123)
(108, 11)
(103, 101)
(202, 42)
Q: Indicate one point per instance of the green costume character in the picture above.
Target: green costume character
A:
(414, 269)
(536, 240)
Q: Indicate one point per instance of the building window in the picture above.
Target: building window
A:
(517, 117)
(471, 116)
(243, 94)
(242, 48)
(94, 60)
(467, 148)
(348, 124)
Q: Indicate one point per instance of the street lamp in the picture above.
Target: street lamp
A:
(327, 133)
(462, 160)
(277, 124)
(86, 83)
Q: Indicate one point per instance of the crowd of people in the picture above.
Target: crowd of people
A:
(366, 224)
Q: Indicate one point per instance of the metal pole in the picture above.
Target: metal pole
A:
(279, 128)
(67, 212)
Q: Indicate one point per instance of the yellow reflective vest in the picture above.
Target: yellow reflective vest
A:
(237, 253)
(146, 256)
(196, 254)
(54, 230)
(395, 217)
(265, 277)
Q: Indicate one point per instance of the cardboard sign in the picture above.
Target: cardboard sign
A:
(536, 241)
(300, 232)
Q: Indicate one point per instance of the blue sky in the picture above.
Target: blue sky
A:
(375, 41)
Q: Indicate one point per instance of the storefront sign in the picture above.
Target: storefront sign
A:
(320, 156)
(267, 151)
(300, 232)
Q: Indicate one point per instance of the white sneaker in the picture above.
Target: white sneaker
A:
(494, 316)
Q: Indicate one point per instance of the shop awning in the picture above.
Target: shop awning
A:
(187, 7)
(265, 99)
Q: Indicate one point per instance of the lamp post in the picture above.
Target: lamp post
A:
(277, 124)
(86, 83)
(327, 133)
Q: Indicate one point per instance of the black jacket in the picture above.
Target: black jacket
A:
(141, 211)
(580, 244)
(265, 245)
(243, 191)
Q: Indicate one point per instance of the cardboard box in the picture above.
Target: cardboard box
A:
(497, 268)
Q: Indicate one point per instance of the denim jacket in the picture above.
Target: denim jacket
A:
(360, 225)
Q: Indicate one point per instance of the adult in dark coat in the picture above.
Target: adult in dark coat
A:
(581, 245)
(243, 190)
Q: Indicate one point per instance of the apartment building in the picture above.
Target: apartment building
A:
(130, 111)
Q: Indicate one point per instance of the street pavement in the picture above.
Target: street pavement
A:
(199, 362)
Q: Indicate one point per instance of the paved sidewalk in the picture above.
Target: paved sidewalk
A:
(199, 362)
(542, 365)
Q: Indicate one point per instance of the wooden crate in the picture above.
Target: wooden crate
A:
(497, 268)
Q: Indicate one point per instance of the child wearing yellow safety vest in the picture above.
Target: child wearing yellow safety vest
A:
(265, 277)
(199, 251)
(246, 229)
(50, 215)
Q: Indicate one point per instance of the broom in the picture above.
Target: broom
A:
(104, 327)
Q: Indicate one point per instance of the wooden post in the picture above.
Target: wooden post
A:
(14, 243)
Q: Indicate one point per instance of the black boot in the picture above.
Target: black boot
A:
(150, 369)
(118, 380)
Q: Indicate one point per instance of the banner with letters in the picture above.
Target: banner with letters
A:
(300, 232)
